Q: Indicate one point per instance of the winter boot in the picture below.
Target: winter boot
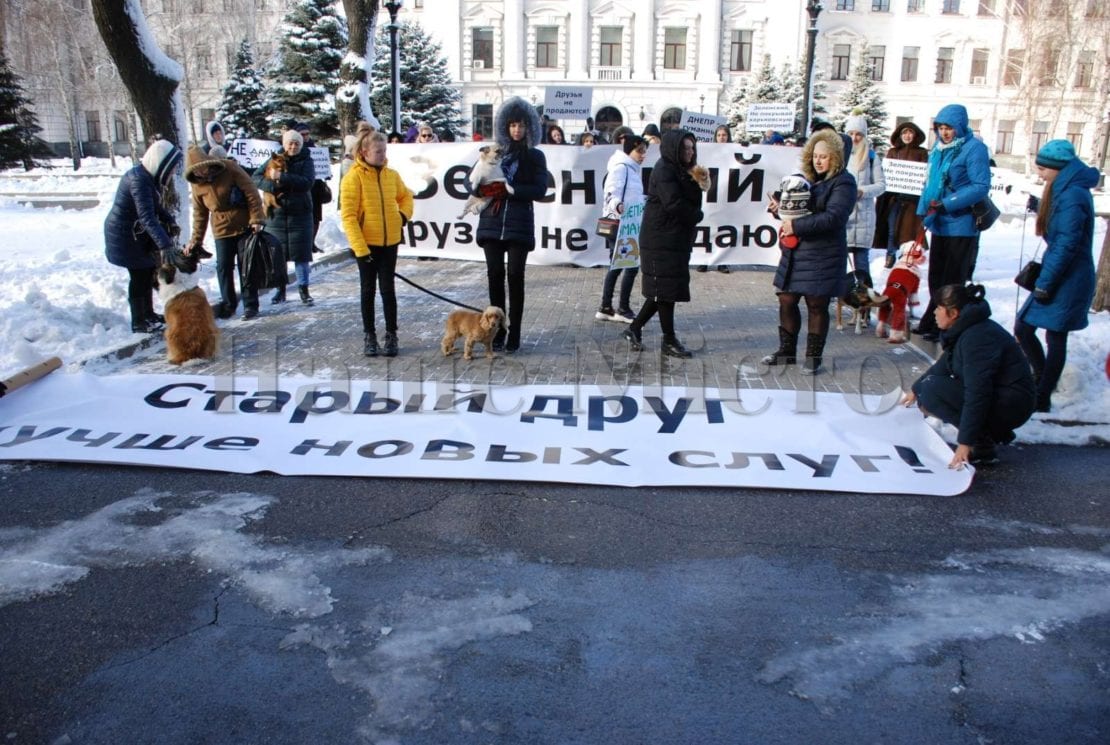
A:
(278, 297)
(635, 340)
(815, 347)
(787, 353)
(370, 344)
(305, 297)
(672, 347)
(389, 346)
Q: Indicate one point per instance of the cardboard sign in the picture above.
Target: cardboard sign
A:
(701, 125)
(626, 251)
(568, 102)
(778, 117)
(252, 153)
(904, 176)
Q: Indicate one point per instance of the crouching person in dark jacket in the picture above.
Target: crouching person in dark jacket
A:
(981, 383)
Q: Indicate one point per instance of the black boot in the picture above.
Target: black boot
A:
(370, 344)
(672, 347)
(305, 297)
(787, 353)
(815, 347)
(389, 346)
(278, 297)
(635, 340)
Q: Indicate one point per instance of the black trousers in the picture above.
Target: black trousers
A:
(378, 270)
(515, 255)
(140, 295)
(951, 262)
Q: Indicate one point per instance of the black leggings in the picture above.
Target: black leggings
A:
(517, 255)
(790, 316)
(379, 269)
(1046, 368)
(140, 294)
(665, 308)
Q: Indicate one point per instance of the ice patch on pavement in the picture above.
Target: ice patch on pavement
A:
(398, 664)
(203, 527)
(1032, 592)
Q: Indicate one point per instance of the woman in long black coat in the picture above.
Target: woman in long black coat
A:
(671, 212)
(816, 268)
(292, 221)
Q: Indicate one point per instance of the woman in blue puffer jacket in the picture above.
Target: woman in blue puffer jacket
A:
(506, 227)
(959, 177)
(138, 227)
(1066, 285)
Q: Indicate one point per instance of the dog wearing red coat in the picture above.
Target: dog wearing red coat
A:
(900, 292)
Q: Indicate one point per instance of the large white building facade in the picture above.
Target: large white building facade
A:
(1027, 70)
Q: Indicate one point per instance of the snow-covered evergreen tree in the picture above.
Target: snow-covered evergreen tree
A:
(863, 94)
(765, 86)
(242, 109)
(305, 77)
(427, 93)
(19, 128)
(737, 107)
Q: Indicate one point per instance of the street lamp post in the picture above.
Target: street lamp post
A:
(395, 61)
(813, 7)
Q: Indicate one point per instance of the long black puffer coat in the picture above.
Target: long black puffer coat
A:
(292, 223)
(671, 212)
(819, 265)
(513, 218)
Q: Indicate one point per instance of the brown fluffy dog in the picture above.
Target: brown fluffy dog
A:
(191, 331)
(700, 174)
(277, 165)
(473, 327)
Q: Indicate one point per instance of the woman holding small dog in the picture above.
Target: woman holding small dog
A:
(671, 212)
(814, 269)
(1066, 285)
(375, 204)
(506, 226)
(292, 221)
(225, 197)
(981, 383)
(138, 227)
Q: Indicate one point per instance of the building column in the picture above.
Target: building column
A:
(643, 42)
(578, 40)
(512, 46)
(709, 43)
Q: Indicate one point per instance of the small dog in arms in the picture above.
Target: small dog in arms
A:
(278, 165)
(487, 181)
(701, 177)
(473, 327)
(191, 331)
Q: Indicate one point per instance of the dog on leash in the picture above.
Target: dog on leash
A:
(277, 165)
(901, 292)
(487, 181)
(473, 327)
(860, 297)
(700, 174)
(191, 331)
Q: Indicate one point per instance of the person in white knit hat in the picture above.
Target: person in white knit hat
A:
(870, 183)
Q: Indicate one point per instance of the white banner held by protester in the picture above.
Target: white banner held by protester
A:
(621, 436)
(777, 117)
(904, 176)
(252, 153)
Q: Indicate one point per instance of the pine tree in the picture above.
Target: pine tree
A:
(19, 128)
(864, 95)
(306, 76)
(737, 107)
(242, 110)
(766, 87)
(792, 85)
(427, 93)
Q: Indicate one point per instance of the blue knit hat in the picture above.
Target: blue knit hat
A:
(1055, 154)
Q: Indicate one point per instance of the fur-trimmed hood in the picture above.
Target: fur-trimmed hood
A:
(210, 132)
(896, 135)
(835, 145)
(516, 109)
(197, 158)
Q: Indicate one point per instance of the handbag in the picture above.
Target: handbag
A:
(321, 192)
(607, 227)
(1027, 277)
(985, 214)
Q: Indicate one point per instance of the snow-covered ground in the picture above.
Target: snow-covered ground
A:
(58, 295)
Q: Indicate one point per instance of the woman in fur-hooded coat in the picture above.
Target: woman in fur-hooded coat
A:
(896, 219)
(506, 227)
(815, 269)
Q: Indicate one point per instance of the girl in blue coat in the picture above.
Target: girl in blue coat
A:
(138, 227)
(506, 227)
(1066, 285)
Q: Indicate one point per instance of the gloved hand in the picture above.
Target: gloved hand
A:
(1042, 296)
(938, 206)
(365, 258)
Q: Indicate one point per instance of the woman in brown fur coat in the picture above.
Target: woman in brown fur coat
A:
(896, 219)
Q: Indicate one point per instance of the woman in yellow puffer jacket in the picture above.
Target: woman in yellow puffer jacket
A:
(375, 205)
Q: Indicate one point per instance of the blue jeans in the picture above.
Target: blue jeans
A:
(628, 281)
(301, 268)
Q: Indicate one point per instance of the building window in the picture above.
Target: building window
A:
(418, 4)
(945, 59)
(909, 64)
(1040, 137)
(740, 52)
(119, 126)
(1004, 143)
(845, 4)
(914, 6)
(674, 49)
(1085, 70)
(92, 125)
(1096, 8)
(1075, 134)
(202, 55)
(481, 116)
(547, 46)
(979, 59)
(842, 53)
(610, 46)
(1050, 63)
(482, 52)
(880, 6)
(986, 7)
(1020, 7)
(950, 7)
(876, 58)
(1014, 62)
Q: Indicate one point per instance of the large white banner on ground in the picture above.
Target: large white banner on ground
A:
(635, 436)
(736, 228)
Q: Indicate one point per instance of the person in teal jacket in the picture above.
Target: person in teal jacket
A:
(959, 177)
(1066, 285)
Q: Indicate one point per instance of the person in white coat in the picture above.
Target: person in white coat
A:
(624, 186)
(870, 183)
